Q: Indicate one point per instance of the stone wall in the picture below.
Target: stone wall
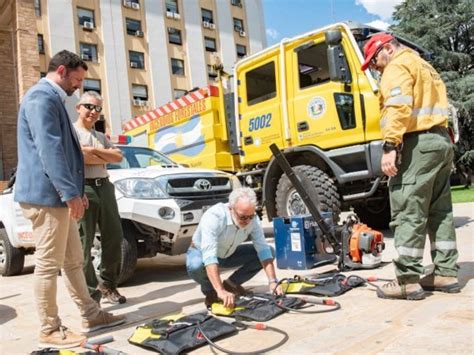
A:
(19, 70)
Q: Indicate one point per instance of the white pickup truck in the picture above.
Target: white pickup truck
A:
(160, 204)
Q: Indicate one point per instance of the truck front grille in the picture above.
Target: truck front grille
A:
(197, 187)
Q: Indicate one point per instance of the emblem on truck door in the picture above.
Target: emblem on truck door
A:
(202, 185)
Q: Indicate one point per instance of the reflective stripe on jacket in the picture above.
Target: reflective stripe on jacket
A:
(413, 97)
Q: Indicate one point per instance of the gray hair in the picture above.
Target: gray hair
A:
(242, 194)
(87, 94)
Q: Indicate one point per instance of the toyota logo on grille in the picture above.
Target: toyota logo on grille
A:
(202, 184)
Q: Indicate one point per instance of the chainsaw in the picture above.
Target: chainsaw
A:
(357, 245)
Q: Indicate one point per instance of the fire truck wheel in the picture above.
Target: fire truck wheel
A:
(11, 259)
(374, 214)
(319, 186)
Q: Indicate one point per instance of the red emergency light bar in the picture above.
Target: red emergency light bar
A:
(120, 139)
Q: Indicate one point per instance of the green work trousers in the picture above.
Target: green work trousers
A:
(420, 200)
(102, 211)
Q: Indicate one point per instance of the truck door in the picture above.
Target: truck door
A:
(259, 110)
(322, 112)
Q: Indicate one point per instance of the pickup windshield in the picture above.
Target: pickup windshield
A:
(141, 157)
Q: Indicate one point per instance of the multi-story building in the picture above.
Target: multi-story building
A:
(141, 53)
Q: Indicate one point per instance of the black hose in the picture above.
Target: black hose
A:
(241, 326)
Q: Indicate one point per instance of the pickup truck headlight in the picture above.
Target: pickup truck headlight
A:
(140, 188)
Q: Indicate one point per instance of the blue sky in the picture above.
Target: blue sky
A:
(287, 18)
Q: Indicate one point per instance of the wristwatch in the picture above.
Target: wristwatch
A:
(272, 281)
(389, 146)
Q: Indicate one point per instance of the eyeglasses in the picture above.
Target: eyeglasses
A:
(91, 107)
(244, 217)
(373, 61)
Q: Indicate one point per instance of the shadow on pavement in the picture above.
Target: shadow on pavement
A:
(462, 221)
(466, 272)
(7, 313)
(157, 294)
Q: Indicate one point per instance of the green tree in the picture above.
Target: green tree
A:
(445, 28)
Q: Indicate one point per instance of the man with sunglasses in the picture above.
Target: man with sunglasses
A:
(103, 211)
(50, 189)
(417, 156)
(217, 243)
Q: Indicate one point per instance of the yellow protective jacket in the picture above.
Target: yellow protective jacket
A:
(413, 97)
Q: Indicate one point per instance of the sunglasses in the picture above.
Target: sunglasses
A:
(373, 61)
(244, 217)
(91, 107)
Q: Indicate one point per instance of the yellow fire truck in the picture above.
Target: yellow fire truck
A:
(308, 95)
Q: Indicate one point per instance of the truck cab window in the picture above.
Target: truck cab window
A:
(261, 84)
(313, 65)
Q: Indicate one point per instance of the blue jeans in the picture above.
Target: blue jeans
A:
(244, 256)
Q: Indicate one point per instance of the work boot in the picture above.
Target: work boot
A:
(393, 290)
(111, 294)
(236, 289)
(61, 338)
(211, 297)
(103, 320)
(440, 283)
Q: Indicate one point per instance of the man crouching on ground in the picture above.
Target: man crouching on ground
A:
(217, 243)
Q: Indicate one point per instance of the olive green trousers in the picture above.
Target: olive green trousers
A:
(102, 211)
(420, 200)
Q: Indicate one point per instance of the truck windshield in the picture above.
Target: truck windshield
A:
(141, 157)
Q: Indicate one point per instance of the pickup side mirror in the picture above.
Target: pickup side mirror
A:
(337, 63)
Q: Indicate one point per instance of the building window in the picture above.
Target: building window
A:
(38, 8)
(92, 85)
(139, 92)
(238, 25)
(207, 16)
(236, 3)
(89, 52)
(174, 36)
(86, 17)
(210, 44)
(211, 73)
(179, 93)
(241, 50)
(313, 65)
(137, 60)
(40, 44)
(172, 6)
(261, 84)
(42, 74)
(134, 27)
(177, 66)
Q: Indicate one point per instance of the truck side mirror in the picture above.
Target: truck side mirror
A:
(337, 63)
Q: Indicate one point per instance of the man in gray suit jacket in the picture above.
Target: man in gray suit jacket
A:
(50, 190)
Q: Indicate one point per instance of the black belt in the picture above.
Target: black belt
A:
(441, 130)
(97, 181)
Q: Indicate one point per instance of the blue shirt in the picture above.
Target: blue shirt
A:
(217, 236)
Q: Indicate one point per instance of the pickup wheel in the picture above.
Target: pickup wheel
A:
(319, 186)
(375, 214)
(11, 259)
(129, 255)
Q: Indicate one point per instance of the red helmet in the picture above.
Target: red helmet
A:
(373, 45)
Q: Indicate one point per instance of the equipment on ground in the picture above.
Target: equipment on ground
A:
(182, 333)
(327, 284)
(299, 242)
(262, 307)
(358, 246)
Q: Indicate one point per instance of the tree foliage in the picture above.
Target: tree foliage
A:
(445, 28)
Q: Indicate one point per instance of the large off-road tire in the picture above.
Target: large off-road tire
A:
(129, 254)
(375, 214)
(11, 259)
(319, 186)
